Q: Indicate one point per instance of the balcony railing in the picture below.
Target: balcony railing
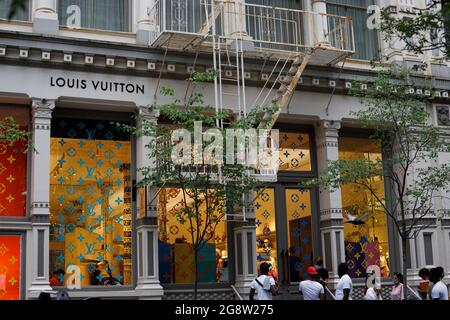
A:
(188, 24)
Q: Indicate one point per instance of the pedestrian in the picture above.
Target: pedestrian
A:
(264, 285)
(440, 290)
(344, 287)
(310, 288)
(397, 289)
(373, 289)
(318, 263)
(425, 285)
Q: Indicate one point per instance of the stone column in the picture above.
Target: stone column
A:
(234, 23)
(145, 24)
(45, 17)
(245, 252)
(40, 197)
(331, 219)
(148, 286)
(320, 30)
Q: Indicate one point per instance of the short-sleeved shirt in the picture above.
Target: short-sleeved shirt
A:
(440, 291)
(344, 283)
(263, 292)
(311, 290)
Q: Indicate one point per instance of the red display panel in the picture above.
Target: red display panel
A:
(9, 267)
(13, 166)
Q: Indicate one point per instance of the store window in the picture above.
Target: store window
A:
(298, 214)
(111, 15)
(10, 267)
(365, 39)
(176, 254)
(366, 244)
(266, 233)
(294, 154)
(21, 14)
(13, 165)
(90, 202)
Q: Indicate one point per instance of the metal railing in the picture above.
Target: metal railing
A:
(415, 294)
(236, 292)
(267, 27)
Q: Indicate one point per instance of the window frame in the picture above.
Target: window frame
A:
(102, 115)
(129, 24)
(376, 32)
(232, 272)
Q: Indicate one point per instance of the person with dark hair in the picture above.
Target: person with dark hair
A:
(323, 274)
(397, 290)
(425, 285)
(440, 290)
(344, 287)
(264, 285)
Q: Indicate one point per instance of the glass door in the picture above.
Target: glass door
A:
(297, 238)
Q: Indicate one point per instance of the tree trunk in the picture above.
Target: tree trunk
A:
(404, 267)
(196, 273)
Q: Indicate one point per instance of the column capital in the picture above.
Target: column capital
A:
(42, 108)
(330, 125)
(148, 114)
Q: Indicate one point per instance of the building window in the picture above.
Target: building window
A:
(294, 154)
(298, 214)
(90, 202)
(13, 166)
(266, 232)
(367, 243)
(10, 256)
(176, 254)
(21, 14)
(365, 39)
(428, 248)
(111, 15)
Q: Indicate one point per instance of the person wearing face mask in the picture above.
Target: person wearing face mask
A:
(397, 289)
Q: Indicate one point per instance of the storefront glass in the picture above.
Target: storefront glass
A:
(13, 166)
(176, 254)
(298, 214)
(294, 154)
(266, 233)
(366, 244)
(90, 202)
(9, 267)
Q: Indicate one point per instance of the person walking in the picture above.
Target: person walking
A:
(263, 286)
(344, 287)
(397, 289)
(425, 285)
(311, 289)
(440, 290)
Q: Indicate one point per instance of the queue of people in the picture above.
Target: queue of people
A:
(314, 286)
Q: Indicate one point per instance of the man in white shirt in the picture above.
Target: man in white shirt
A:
(264, 286)
(310, 288)
(344, 287)
(440, 290)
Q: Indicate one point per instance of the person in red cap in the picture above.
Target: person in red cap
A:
(311, 289)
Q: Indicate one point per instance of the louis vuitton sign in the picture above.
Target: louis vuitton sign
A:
(97, 85)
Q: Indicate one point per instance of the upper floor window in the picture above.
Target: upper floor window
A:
(111, 15)
(20, 14)
(365, 38)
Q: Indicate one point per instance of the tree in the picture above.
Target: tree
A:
(11, 132)
(428, 30)
(211, 187)
(399, 120)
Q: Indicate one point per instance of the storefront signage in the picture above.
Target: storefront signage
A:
(97, 85)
